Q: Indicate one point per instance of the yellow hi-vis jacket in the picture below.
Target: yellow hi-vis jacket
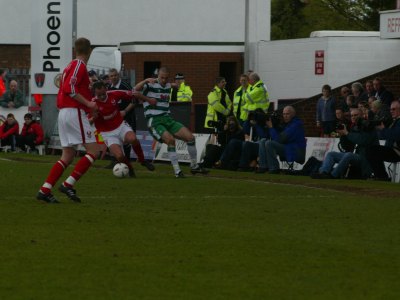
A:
(240, 97)
(257, 97)
(215, 105)
(184, 93)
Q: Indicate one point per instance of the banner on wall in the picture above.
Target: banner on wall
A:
(51, 44)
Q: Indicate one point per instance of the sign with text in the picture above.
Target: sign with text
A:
(319, 62)
(390, 24)
(51, 47)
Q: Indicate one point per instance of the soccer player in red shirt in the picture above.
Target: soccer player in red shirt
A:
(74, 102)
(110, 123)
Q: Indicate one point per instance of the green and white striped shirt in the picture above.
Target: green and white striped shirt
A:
(162, 94)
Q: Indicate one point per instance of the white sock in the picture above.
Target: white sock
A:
(174, 159)
(191, 146)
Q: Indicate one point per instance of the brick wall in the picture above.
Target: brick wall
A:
(15, 56)
(200, 69)
(306, 109)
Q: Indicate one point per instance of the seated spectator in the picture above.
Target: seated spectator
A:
(358, 92)
(379, 113)
(350, 102)
(287, 141)
(9, 131)
(326, 111)
(341, 119)
(364, 107)
(369, 89)
(370, 101)
(344, 92)
(31, 134)
(255, 133)
(353, 144)
(382, 93)
(390, 152)
(13, 98)
(230, 141)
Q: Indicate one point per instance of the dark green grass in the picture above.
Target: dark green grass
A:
(226, 236)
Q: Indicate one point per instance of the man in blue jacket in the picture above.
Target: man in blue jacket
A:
(288, 142)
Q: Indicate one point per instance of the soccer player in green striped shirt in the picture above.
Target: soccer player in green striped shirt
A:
(163, 128)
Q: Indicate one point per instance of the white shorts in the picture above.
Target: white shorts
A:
(116, 136)
(74, 128)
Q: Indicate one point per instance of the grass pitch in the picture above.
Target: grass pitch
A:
(224, 236)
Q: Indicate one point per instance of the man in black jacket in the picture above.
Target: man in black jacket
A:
(354, 142)
(390, 152)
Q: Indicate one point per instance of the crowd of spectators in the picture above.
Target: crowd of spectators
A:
(250, 138)
(30, 137)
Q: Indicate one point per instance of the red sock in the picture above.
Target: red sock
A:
(80, 168)
(55, 173)
(126, 161)
(139, 151)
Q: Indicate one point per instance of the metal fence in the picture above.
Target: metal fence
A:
(22, 77)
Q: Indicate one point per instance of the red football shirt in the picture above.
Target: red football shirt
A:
(109, 116)
(75, 80)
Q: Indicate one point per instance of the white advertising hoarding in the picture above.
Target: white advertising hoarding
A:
(51, 48)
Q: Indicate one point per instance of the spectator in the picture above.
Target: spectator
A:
(92, 79)
(13, 98)
(390, 152)
(9, 132)
(219, 104)
(371, 100)
(127, 109)
(287, 140)
(341, 118)
(230, 140)
(3, 74)
(369, 88)
(350, 102)
(364, 107)
(256, 132)
(31, 134)
(344, 92)
(358, 92)
(382, 93)
(256, 94)
(181, 92)
(379, 113)
(353, 141)
(240, 110)
(326, 111)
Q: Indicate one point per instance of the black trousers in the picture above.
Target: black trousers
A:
(26, 140)
(9, 141)
(377, 155)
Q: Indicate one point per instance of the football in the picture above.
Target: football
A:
(121, 170)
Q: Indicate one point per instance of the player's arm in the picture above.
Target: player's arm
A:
(84, 101)
(143, 98)
(139, 87)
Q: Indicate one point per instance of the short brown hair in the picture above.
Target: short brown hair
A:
(82, 46)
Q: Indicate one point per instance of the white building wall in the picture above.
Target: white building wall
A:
(288, 67)
(107, 22)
